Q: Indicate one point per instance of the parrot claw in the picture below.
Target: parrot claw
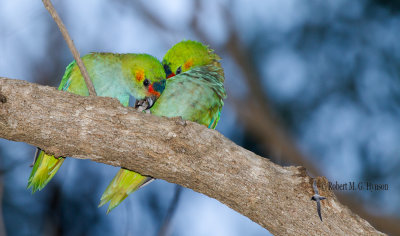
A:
(144, 104)
(141, 105)
(180, 121)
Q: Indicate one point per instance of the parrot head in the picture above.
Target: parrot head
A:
(146, 77)
(188, 54)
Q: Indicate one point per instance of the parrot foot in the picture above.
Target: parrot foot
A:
(144, 104)
(180, 121)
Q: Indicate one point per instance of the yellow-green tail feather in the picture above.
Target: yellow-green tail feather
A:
(44, 169)
(123, 184)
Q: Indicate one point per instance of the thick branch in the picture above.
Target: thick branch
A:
(186, 153)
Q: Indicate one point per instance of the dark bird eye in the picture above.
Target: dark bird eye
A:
(146, 82)
(178, 71)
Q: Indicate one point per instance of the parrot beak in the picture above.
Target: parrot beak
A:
(155, 89)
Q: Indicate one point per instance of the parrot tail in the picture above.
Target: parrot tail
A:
(123, 184)
(44, 169)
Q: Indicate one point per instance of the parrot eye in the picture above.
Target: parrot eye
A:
(146, 82)
(178, 71)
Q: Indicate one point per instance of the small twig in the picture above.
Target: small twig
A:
(49, 6)
(164, 229)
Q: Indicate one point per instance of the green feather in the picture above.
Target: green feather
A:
(113, 75)
(43, 171)
(123, 184)
(196, 95)
(194, 52)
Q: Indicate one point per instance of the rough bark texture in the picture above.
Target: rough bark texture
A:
(100, 129)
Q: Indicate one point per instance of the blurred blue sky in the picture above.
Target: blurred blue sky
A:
(330, 69)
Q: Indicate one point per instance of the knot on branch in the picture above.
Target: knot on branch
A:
(3, 98)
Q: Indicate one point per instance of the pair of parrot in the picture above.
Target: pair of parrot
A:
(188, 83)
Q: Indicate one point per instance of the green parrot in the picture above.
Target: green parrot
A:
(113, 75)
(194, 91)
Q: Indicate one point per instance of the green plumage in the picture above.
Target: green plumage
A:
(44, 169)
(113, 75)
(196, 95)
(189, 54)
(123, 184)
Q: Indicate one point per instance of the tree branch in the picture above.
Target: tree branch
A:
(182, 152)
(47, 4)
(262, 122)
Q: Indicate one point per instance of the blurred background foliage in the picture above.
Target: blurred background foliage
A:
(312, 83)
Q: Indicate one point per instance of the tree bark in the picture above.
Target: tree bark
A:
(181, 152)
